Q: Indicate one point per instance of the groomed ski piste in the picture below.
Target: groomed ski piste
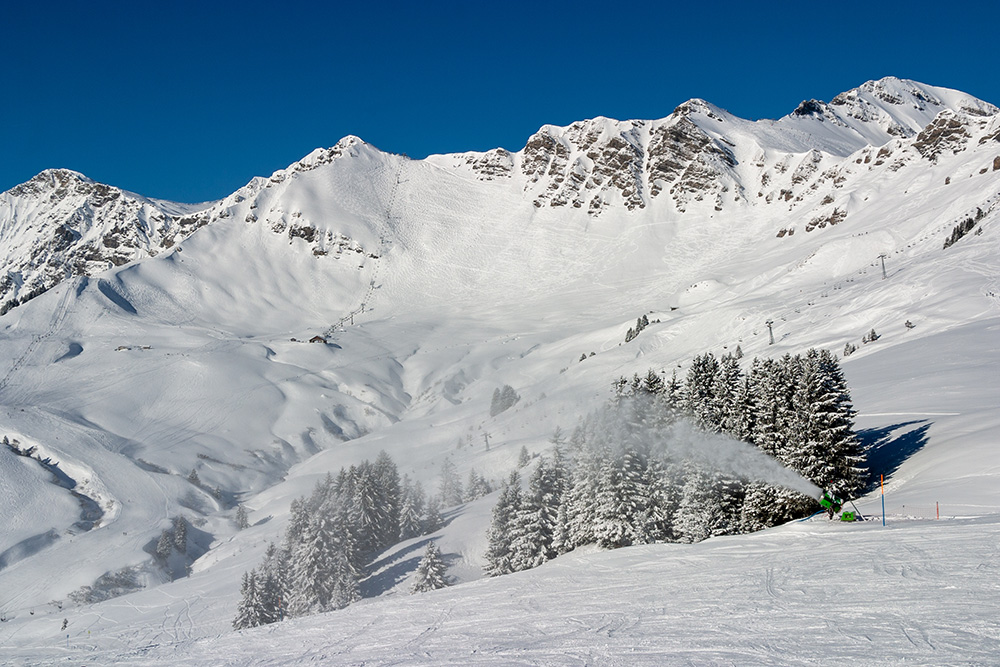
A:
(131, 379)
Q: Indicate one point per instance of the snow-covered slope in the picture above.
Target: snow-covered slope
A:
(61, 223)
(437, 281)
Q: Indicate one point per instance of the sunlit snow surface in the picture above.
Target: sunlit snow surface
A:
(131, 379)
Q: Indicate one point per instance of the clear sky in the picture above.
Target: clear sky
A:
(189, 100)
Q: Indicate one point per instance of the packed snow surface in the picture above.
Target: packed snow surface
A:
(433, 283)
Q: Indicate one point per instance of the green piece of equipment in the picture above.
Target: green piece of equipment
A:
(830, 502)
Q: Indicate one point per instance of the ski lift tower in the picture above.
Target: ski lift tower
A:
(882, 257)
(770, 332)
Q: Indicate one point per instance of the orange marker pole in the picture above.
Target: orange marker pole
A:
(882, 482)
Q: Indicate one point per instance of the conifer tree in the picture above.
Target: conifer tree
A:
(674, 391)
(536, 522)
(743, 412)
(765, 505)
(659, 501)
(431, 572)
(242, 522)
(248, 610)
(298, 521)
(724, 412)
(699, 515)
(699, 390)
(165, 545)
(313, 567)
(180, 534)
(367, 510)
(523, 457)
(345, 589)
(576, 523)
(387, 477)
(432, 519)
(772, 408)
(274, 584)
(451, 484)
(823, 445)
(620, 513)
(501, 531)
(411, 509)
(476, 487)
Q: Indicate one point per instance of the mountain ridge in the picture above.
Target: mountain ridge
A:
(432, 283)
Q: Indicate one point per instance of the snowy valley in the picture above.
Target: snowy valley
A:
(162, 360)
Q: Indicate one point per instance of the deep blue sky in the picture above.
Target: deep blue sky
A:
(189, 100)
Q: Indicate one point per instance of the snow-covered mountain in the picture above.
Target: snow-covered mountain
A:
(155, 340)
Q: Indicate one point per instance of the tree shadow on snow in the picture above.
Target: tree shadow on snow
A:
(886, 449)
(393, 568)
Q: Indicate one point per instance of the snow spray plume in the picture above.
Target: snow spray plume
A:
(646, 424)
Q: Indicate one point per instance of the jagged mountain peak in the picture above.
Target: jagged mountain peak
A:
(878, 111)
(51, 180)
(696, 107)
(700, 158)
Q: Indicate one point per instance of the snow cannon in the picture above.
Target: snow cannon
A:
(830, 503)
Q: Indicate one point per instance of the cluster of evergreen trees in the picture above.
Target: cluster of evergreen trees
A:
(336, 530)
(963, 228)
(330, 536)
(640, 324)
(613, 486)
(172, 540)
(503, 399)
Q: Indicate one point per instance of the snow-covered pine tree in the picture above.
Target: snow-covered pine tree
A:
(345, 589)
(537, 519)
(431, 572)
(709, 506)
(660, 501)
(165, 545)
(698, 390)
(825, 447)
(411, 509)
(242, 522)
(501, 530)
(324, 489)
(313, 567)
(367, 511)
(743, 427)
(180, 534)
(432, 519)
(274, 584)
(772, 385)
(451, 484)
(576, 523)
(248, 610)
(765, 505)
(503, 399)
(673, 391)
(387, 476)
(652, 383)
(725, 406)
(523, 457)
(476, 486)
(298, 521)
(621, 494)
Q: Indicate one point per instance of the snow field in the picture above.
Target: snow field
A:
(473, 289)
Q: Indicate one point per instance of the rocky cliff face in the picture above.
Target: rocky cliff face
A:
(698, 161)
(62, 224)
